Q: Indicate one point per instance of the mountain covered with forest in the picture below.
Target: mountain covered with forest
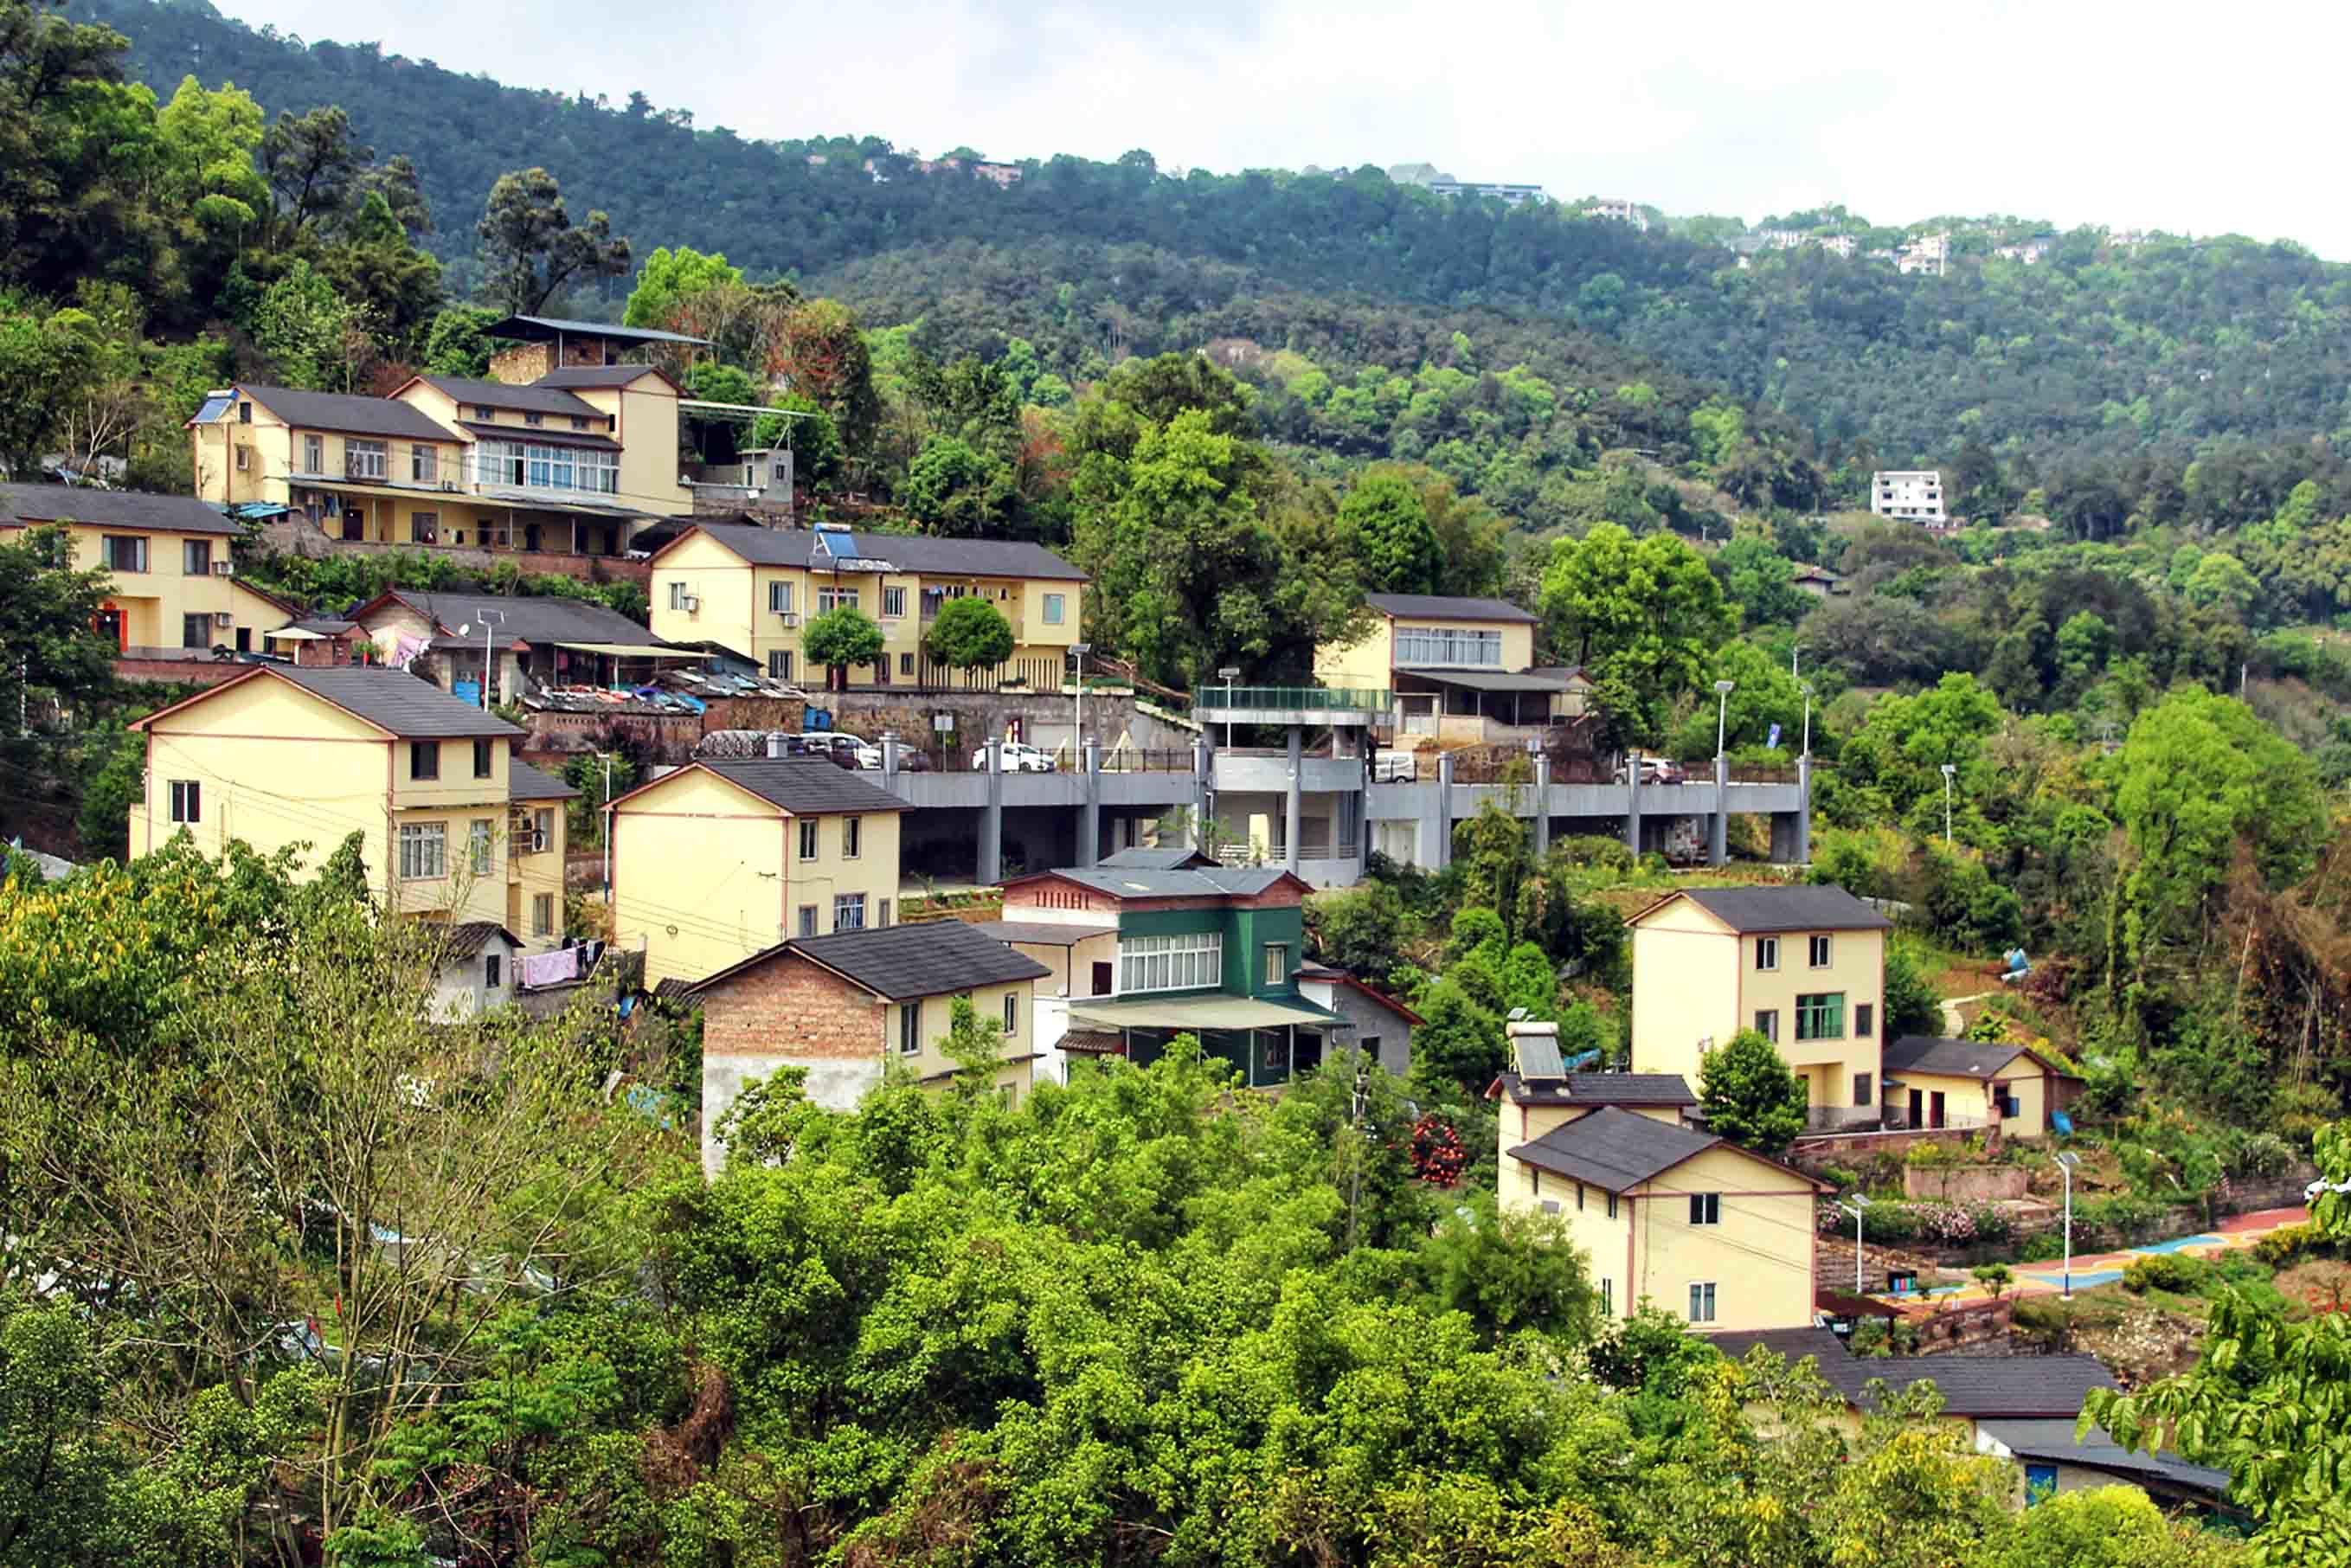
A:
(2098, 351)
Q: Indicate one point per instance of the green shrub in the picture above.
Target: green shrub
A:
(2180, 1275)
(2263, 1154)
(1841, 1179)
(2042, 1247)
(1924, 1155)
(2292, 1244)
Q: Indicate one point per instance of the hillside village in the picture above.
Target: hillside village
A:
(669, 911)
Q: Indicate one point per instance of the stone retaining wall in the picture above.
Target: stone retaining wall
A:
(1966, 1184)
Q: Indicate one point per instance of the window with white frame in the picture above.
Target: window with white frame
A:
(807, 838)
(314, 455)
(195, 558)
(780, 664)
(477, 847)
(1820, 951)
(1171, 963)
(542, 915)
(849, 912)
(423, 465)
(1767, 952)
(187, 800)
(423, 851)
(853, 837)
(1448, 646)
(894, 604)
(1277, 964)
(1607, 1298)
(125, 552)
(830, 599)
(364, 459)
(1821, 1016)
(807, 920)
(1056, 606)
(1705, 1208)
(779, 598)
(1011, 1012)
(1701, 1303)
(679, 592)
(910, 1028)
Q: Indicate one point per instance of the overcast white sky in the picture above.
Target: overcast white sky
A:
(2205, 120)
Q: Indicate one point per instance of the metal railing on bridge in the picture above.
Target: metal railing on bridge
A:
(1291, 699)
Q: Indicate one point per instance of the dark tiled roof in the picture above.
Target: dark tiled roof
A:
(804, 786)
(1444, 607)
(1040, 933)
(2029, 1438)
(396, 700)
(1613, 1149)
(529, 399)
(1173, 858)
(539, 618)
(597, 375)
(543, 329)
(348, 413)
(1793, 1343)
(1217, 882)
(545, 435)
(939, 958)
(1798, 907)
(112, 510)
(2051, 1386)
(1600, 1088)
(525, 783)
(1949, 1058)
(908, 552)
(464, 941)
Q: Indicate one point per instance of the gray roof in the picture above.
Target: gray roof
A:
(113, 509)
(528, 398)
(549, 435)
(1613, 1149)
(1950, 1058)
(1600, 1088)
(1797, 907)
(536, 619)
(2030, 1438)
(465, 940)
(396, 700)
(915, 553)
(540, 328)
(1446, 607)
(1176, 858)
(1484, 681)
(347, 413)
(525, 783)
(938, 957)
(2049, 1387)
(596, 375)
(1040, 933)
(1217, 881)
(804, 786)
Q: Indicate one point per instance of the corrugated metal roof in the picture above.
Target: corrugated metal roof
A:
(130, 509)
(1136, 882)
(540, 328)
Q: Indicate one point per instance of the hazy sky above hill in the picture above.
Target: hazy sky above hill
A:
(2140, 117)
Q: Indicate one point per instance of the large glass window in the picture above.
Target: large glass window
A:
(1448, 646)
(363, 459)
(126, 552)
(478, 848)
(849, 912)
(1821, 1016)
(1171, 963)
(423, 851)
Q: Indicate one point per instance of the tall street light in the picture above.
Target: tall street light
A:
(2066, 1162)
(1229, 674)
(1808, 718)
(487, 616)
(1078, 735)
(1855, 1208)
(1793, 653)
(1722, 690)
(1947, 772)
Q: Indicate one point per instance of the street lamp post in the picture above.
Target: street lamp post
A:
(486, 615)
(1947, 772)
(1229, 674)
(2066, 1162)
(1808, 718)
(1794, 653)
(1078, 733)
(1722, 690)
(1855, 1208)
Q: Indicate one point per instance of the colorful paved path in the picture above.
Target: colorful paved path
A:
(2234, 1233)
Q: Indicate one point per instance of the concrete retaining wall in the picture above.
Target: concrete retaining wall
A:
(1966, 1184)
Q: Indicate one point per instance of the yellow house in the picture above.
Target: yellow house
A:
(754, 590)
(453, 827)
(1804, 965)
(857, 1006)
(1461, 671)
(2003, 1087)
(174, 589)
(1676, 1216)
(574, 465)
(723, 859)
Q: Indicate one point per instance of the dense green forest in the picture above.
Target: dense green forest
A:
(2095, 349)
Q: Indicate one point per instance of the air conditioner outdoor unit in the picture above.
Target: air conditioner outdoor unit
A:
(692, 604)
(224, 569)
(534, 842)
(223, 618)
(791, 617)
(450, 485)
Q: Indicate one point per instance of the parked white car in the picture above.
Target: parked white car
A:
(1394, 768)
(1019, 757)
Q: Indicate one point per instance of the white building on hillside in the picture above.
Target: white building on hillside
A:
(1619, 209)
(1915, 496)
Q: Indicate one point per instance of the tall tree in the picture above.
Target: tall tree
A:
(311, 162)
(530, 247)
(1750, 1095)
(1393, 537)
(1640, 617)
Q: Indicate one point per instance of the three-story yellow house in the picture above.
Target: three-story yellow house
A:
(174, 592)
(754, 590)
(452, 826)
(1805, 966)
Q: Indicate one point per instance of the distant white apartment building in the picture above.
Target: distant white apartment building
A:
(1915, 496)
(2028, 252)
(1928, 253)
(1781, 239)
(1841, 244)
(1619, 209)
(1515, 195)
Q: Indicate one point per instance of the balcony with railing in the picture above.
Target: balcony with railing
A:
(1291, 705)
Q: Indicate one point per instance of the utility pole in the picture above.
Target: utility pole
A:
(1356, 1137)
(1855, 1208)
(608, 838)
(2066, 1162)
